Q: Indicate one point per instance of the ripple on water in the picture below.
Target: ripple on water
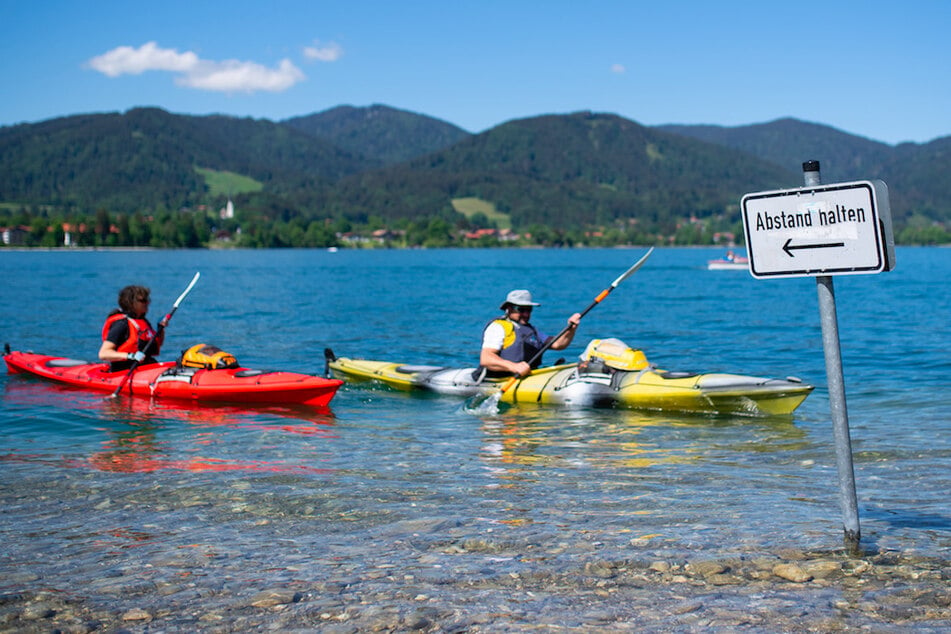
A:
(388, 509)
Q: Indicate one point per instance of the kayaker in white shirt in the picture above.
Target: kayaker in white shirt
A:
(510, 341)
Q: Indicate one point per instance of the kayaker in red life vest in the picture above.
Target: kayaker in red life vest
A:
(510, 341)
(127, 332)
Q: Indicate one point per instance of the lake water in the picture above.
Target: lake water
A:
(404, 512)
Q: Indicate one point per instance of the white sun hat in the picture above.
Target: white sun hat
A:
(519, 297)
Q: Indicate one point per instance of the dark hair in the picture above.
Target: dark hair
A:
(129, 295)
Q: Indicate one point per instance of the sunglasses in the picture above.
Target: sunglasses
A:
(523, 309)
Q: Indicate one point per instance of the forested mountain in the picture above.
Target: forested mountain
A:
(147, 159)
(581, 169)
(573, 172)
(915, 173)
(380, 132)
(789, 142)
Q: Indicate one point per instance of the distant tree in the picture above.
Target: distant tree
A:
(102, 226)
(122, 223)
(140, 232)
(319, 235)
(437, 234)
(479, 220)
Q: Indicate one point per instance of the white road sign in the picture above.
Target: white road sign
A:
(837, 229)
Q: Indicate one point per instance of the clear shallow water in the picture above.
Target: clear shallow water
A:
(394, 482)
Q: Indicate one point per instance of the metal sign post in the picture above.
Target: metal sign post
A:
(835, 378)
(822, 231)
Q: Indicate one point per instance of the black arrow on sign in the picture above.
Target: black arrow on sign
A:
(789, 249)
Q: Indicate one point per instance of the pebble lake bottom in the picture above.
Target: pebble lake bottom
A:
(402, 512)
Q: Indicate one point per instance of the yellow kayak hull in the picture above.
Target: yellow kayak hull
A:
(567, 385)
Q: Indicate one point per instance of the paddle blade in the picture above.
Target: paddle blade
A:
(118, 390)
(187, 290)
(628, 273)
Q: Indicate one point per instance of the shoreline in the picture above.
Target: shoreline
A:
(881, 592)
(390, 248)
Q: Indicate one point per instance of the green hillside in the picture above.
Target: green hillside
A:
(305, 180)
(919, 189)
(224, 183)
(473, 207)
(379, 132)
(145, 159)
(565, 171)
(789, 142)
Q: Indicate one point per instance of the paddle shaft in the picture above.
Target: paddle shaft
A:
(158, 333)
(597, 300)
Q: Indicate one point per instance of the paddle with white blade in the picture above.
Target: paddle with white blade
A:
(488, 403)
(158, 332)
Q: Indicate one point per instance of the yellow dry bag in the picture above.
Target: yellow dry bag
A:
(614, 353)
(209, 357)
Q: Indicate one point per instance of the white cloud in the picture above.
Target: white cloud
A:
(235, 76)
(329, 52)
(126, 60)
(225, 76)
(618, 69)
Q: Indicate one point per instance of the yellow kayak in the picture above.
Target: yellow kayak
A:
(594, 384)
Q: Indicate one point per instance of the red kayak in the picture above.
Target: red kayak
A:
(169, 380)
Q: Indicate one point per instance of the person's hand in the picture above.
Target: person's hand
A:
(162, 324)
(522, 369)
(136, 356)
(574, 320)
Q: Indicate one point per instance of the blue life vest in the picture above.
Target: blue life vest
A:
(521, 343)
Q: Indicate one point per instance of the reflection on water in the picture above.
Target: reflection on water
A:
(391, 496)
(144, 435)
(617, 438)
(647, 476)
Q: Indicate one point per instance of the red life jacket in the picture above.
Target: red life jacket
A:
(140, 332)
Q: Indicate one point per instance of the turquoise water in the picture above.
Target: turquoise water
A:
(379, 476)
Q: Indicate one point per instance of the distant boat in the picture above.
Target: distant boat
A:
(729, 262)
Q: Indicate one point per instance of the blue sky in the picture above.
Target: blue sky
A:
(875, 69)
